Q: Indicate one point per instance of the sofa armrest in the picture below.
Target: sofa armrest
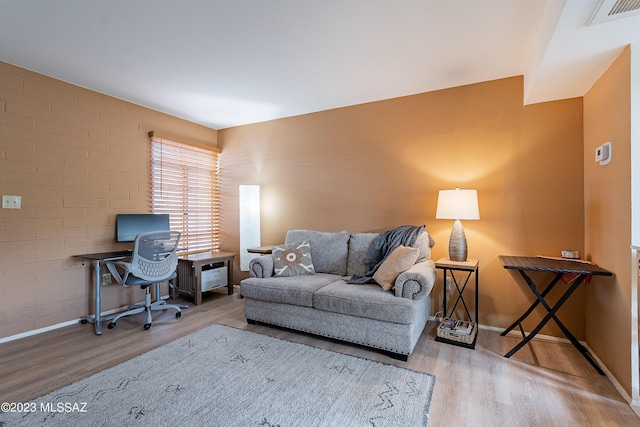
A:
(417, 282)
(261, 266)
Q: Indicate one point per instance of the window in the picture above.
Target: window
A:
(184, 184)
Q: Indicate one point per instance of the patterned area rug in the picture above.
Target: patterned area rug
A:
(223, 376)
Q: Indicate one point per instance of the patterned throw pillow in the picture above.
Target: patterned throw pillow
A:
(293, 259)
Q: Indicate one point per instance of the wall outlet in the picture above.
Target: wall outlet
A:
(106, 279)
(448, 284)
(11, 202)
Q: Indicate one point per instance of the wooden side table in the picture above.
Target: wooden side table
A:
(470, 267)
(262, 250)
(189, 279)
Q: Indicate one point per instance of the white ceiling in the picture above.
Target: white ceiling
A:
(224, 63)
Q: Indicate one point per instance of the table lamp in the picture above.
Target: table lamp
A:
(457, 204)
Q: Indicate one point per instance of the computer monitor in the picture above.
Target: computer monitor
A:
(128, 226)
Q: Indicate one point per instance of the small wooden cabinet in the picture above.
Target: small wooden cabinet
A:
(190, 273)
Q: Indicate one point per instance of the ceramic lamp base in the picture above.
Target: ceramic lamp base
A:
(457, 243)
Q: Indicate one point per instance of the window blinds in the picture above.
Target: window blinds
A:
(184, 184)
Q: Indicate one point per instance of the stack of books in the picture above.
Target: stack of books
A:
(457, 326)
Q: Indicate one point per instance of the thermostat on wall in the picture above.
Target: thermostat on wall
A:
(603, 153)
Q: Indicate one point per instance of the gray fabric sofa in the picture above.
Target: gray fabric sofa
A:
(325, 304)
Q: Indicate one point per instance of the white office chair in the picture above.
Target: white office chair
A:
(153, 260)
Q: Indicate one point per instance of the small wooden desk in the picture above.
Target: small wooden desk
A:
(190, 272)
(559, 268)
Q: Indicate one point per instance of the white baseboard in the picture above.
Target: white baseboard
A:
(613, 379)
(636, 407)
(67, 323)
(39, 331)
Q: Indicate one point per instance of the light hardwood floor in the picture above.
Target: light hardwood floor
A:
(544, 384)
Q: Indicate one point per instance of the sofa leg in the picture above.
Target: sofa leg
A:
(251, 321)
(398, 356)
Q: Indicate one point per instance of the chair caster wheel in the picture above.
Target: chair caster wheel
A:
(111, 325)
(84, 321)
(178, 314)
(147, 326)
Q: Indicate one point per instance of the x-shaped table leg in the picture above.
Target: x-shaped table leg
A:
(460, 291)
(551, 314)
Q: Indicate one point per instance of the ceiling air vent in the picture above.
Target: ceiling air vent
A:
(609, 10)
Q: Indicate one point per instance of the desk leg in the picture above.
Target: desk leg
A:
(97, 307)
(230, 277)
(96, 319)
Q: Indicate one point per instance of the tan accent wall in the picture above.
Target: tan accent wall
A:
(607, 117)
(77, 158)
(375, 166)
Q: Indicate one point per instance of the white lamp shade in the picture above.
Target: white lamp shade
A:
(457, 204)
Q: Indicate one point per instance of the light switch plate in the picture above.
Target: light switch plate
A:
(11, 202)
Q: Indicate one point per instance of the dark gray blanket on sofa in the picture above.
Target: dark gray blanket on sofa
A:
(383, 245)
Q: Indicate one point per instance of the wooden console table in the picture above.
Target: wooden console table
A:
(559, 268)
(190, 272)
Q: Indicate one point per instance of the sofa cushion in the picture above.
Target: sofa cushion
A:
(292, 259)
(328, 250)
(370, 301)
(399, 260)
(296, 290)
(359, 244)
